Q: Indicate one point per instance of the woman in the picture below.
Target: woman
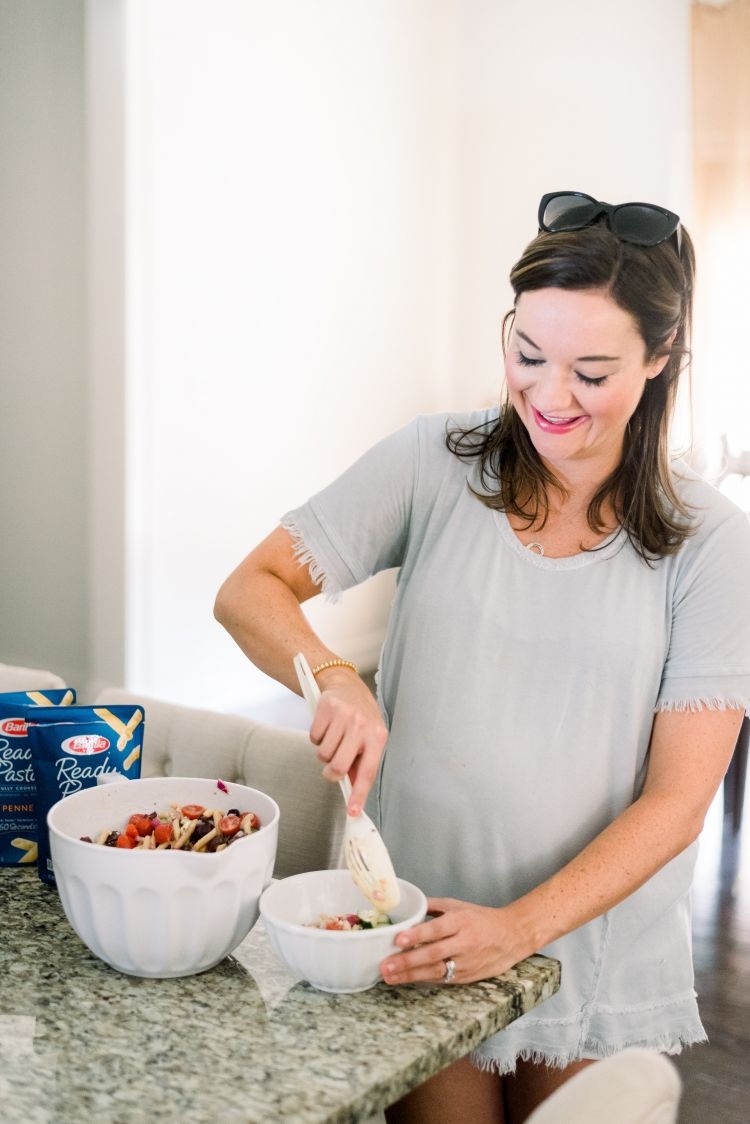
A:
(566, 666)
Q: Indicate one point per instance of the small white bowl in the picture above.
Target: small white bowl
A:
(331, 960)
(160, 914)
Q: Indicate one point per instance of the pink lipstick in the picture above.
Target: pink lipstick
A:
(552, 423)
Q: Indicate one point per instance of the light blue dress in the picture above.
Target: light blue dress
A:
(520, 693)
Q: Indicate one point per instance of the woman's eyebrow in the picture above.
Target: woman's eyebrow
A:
(528, 339)
(580, 359)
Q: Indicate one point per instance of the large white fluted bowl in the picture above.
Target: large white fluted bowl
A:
(329, 960)
(160, 913)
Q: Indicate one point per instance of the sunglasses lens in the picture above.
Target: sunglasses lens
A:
(641, 223)
(568, 212)
(646, 226)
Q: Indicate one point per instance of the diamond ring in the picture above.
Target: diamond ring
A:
(450, 971)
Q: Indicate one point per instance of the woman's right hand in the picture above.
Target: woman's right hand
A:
(349, 732)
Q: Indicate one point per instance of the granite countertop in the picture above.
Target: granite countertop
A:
(245, 1039)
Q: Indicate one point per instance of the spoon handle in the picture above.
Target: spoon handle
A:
(311, 693)
(308, 686)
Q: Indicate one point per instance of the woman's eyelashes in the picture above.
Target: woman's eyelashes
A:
(526, 361)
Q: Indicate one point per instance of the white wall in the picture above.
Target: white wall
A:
(44, 428)
(558, 96)
(108, 342)
(321, 204)
(291, 278)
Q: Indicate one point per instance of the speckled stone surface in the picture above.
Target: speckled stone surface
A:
(244, 1041)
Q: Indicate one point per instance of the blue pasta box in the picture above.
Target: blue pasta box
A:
(18, 817)
(72, 747)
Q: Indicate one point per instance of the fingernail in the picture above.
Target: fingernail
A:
(354, 809)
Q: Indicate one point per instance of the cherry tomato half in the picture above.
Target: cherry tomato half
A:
(193, 811)
(124, 841)
(229, 825)
(163, 833)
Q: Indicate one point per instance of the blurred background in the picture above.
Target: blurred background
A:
(243, 240)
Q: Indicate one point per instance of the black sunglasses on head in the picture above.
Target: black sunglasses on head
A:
(641, 223)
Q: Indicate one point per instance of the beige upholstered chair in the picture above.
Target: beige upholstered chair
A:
(190, 742)
(14, 678)
(636, 1086)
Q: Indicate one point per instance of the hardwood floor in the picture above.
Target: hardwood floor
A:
(716, 1076)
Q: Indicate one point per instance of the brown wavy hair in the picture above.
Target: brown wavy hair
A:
(654, 284)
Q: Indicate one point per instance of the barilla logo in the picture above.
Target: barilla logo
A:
(13, 728)
(85, 744)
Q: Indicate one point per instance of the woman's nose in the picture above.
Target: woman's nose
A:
(553, 392)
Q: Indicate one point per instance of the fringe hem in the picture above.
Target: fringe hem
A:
(305, 557)
(589, 1049)
(683, 706)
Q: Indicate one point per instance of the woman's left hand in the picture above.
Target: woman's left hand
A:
(480, 940)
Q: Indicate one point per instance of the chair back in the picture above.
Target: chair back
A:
(636, 1086)
(14, 678)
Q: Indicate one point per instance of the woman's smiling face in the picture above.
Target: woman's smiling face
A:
(576, 369)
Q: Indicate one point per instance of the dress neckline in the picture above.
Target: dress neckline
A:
(606, 549)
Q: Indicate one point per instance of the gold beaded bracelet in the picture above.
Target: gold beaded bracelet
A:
(335, 663)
